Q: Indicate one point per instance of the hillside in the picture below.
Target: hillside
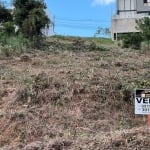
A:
(77, 94)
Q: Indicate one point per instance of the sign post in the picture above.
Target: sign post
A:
(142, 103)
(148, 120)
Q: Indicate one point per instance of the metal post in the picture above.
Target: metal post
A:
(148, 120)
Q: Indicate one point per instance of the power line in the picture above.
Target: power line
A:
(80, 24)
(86, 24)
(77, 27)
(81, 20)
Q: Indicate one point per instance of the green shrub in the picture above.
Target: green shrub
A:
(131, 40)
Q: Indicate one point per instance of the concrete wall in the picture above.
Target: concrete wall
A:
(125, 25)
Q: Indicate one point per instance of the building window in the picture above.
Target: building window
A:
(115, 36)
(146, 2)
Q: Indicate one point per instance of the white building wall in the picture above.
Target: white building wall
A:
(50, 30)
(127, 5)
(124, 25)
(127, 14)
(133, 4)
(126, 8)
(121, 5)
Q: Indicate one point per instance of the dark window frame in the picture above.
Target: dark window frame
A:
(146, 1)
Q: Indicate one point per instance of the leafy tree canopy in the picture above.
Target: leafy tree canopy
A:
(30, 17)
(5, 14)
(144, 26)
(23, 8)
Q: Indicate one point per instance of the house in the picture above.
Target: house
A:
(127, 12)
(50, 31)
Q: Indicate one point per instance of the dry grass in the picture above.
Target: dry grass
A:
(73, 100)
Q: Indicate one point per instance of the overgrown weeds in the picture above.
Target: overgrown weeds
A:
(14, 45)
(75, 46)
(81, 96)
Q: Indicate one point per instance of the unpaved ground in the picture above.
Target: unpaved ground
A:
(73, 100)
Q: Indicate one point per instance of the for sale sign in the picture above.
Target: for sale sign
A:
(142, 101)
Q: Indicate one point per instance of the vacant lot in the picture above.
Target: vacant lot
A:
(75, 95)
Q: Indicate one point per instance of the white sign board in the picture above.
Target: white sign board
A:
(142, 102)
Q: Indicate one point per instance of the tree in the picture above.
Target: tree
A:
(31, 18)
(144, 26)
(36, 21)
(5, 15)
(102, 31)
(6, 21)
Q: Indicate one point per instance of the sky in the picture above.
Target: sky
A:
(80, 17)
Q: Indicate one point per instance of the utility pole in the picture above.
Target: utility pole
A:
(53, 24)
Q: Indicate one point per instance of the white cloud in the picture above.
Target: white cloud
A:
(102, 2)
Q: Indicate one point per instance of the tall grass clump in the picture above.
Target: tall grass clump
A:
(13, 45)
